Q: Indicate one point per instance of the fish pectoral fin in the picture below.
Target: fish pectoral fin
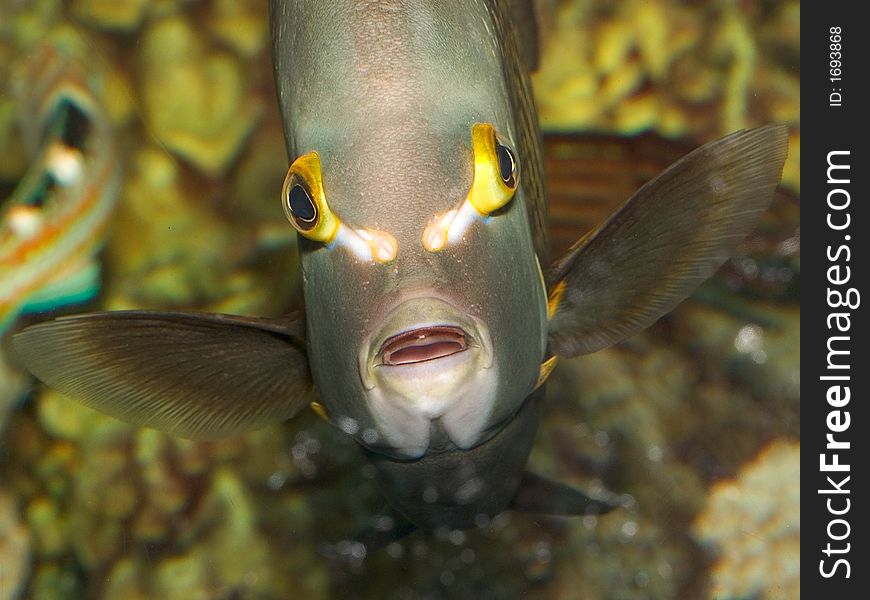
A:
(194, 375)
(537, 494)
(663, 242)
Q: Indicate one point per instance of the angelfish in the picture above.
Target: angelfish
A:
(415, 185)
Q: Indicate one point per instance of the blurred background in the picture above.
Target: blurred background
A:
(696, 420)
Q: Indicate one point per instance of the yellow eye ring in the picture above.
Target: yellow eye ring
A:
(495, 171)
(304, 202)
(493, 185)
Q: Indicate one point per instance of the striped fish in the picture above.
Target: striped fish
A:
(54, 223)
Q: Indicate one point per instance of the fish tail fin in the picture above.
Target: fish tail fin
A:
(538, 494)
(382, 531)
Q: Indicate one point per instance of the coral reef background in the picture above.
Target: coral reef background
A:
(696, 420)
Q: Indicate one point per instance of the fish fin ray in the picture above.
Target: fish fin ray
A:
(194, 375)
(664, 241)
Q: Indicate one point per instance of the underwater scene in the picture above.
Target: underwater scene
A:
(155, 183)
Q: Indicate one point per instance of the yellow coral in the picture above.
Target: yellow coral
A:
(661, 65)
(14, 549)
(753, 522)
(123, 15)
(241, 24)
(195, 99)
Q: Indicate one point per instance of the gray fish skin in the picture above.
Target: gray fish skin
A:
(387, 94)
(448, 488)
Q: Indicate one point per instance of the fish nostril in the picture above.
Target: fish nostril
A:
(423, 344)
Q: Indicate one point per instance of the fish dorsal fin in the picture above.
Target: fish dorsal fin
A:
(194, 375)
(663, 242)
(525, 19)
(537, 494)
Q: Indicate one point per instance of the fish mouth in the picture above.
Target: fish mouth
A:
(428, 361)
(420, 337)
(423, 344)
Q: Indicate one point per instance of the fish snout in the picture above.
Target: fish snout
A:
(429, 361)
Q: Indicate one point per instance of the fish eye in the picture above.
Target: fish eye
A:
(507, 165)
(493, 185)
(300, 207)
(304, 201)
(495, 170)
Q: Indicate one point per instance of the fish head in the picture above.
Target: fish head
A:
(426, 318)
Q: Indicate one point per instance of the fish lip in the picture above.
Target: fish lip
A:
(423, 344)
(402, 322)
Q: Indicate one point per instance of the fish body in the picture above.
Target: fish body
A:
(429, 327)
(54, 223)
(397, 180)
(428, 358)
